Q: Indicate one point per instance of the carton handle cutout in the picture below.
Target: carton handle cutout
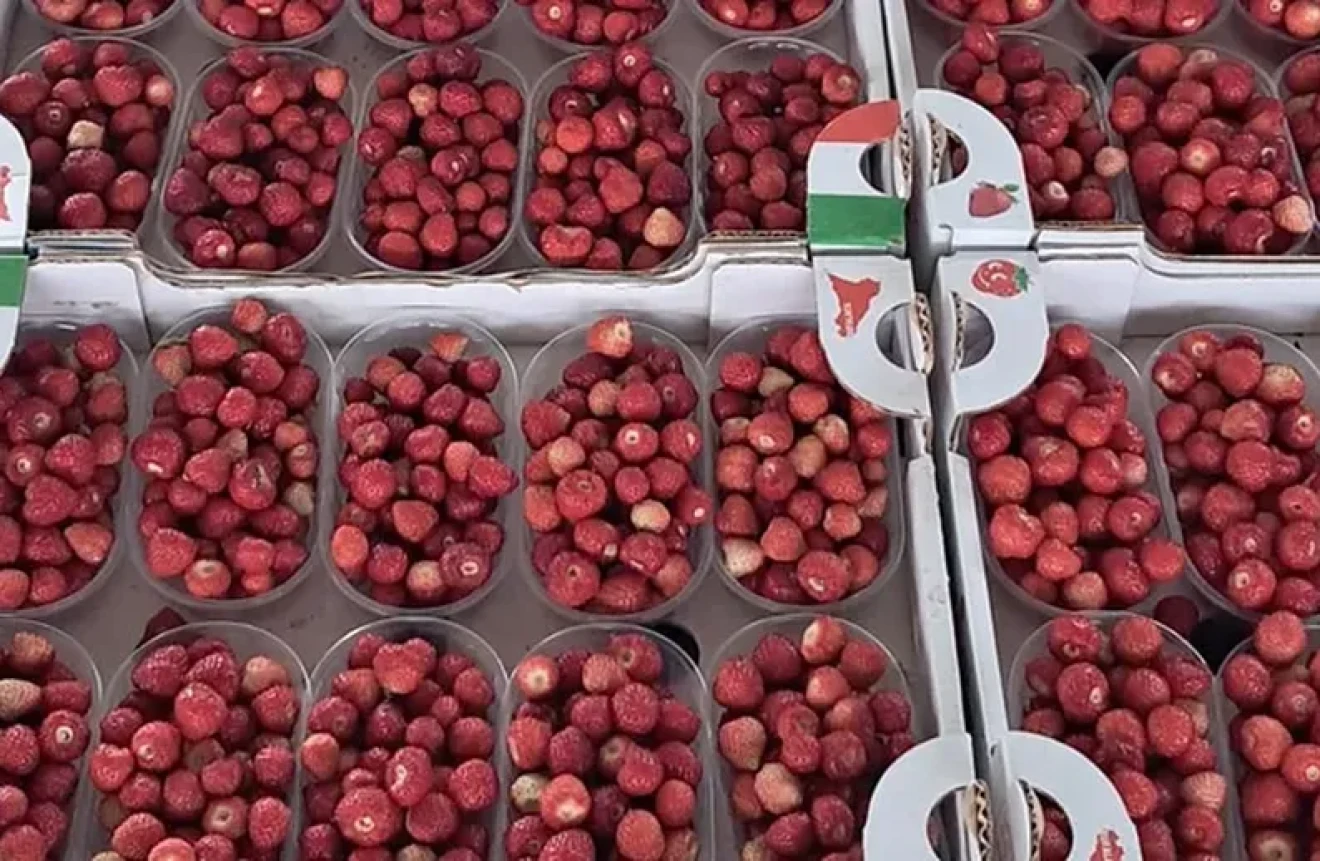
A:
(901, 804)
(986, 205)
(1101, 828)
(1003, 289)
(853, 295)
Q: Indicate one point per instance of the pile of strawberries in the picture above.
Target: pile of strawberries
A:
(268, 20)
(444, 148)
(64, 407)
(612, 185)
(1064, 150)
(1062, 473)
(1239, 443)
(1141, 712)
(1301, 82)
(230, 456)
(807, 735)
(802, 473)
(994, 13)
(610, 478)
(397, 756)
(102, 14)
(433, 22)
(604, 757)
(422, 474)
(757, 178)
(197, 760)
(1209, 153)
(94, 118)
(1274, 684)
(1298, 19)
(595, 22)
(1163, 19)
(254, 189)
(761, 16)
(43, 735)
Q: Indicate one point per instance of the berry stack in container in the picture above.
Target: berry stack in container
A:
(399, 745)
(229, 459)
(607, 749)
(809, 512)
(615, 497)
(194, 750)
(1239, 436)
(427, 464)
(1137, 700)
(1071, 485)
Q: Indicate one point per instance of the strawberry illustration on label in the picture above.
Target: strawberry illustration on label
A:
(988, 199)
(1107, 847)
(1002, 278)
(854, 301)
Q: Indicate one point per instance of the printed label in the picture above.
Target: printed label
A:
(987, 200)
(1107, 847)
(855, 299)
(1002, 278)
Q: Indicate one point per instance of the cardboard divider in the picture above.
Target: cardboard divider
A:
(1013, 761)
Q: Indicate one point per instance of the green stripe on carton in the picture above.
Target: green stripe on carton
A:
(13, 278)
(853, 221)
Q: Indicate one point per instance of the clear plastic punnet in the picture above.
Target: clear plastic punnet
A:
(193, 109)
(414, 329)
(681, 678)
(172, 591)
(1276, 350)
(751, 338)
(247, 641)
(543, 374)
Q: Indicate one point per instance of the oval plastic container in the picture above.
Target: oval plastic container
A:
(543, 374)
(681, 678)
(1157, 482)
(214, 33)
(750, 55)
(728, 31)
(1264, 86)
(1226, 711)
(448, 637)
(134, 32)
(71, 653)
(1080, 70)
(1276, 350)
(349, 215)
(195, 109)
(414, 329)
(684, 101)
(566, 46)
(1111, 39)
(247, 641)
(741, 643)
(751, 338)
(63, 334)
(1271, 40)
(32, 63)
(390, 40)
(172, 590)
(1280, 85)
(1018, 695)
(950, 28)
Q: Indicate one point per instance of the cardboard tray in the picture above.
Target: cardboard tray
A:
(913, 615)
